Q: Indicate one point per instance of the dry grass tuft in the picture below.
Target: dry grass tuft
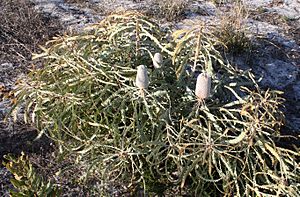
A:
(232, 31)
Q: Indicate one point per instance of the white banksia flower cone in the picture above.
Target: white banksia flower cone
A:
(142, 80)
(203, 86)
(157, 60)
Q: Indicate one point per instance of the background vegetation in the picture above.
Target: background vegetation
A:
(22, 29)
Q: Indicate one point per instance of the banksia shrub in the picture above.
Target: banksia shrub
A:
(84, 98)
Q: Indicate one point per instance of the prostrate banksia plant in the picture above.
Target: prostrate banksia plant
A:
(203, 86)
(142, 80)
(157, 60)
(82, 100)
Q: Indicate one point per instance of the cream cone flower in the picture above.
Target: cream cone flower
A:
(142, 80)
(203, 86)
(157, 60)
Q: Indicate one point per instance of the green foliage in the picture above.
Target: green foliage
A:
(86, 100)
(26, 181)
